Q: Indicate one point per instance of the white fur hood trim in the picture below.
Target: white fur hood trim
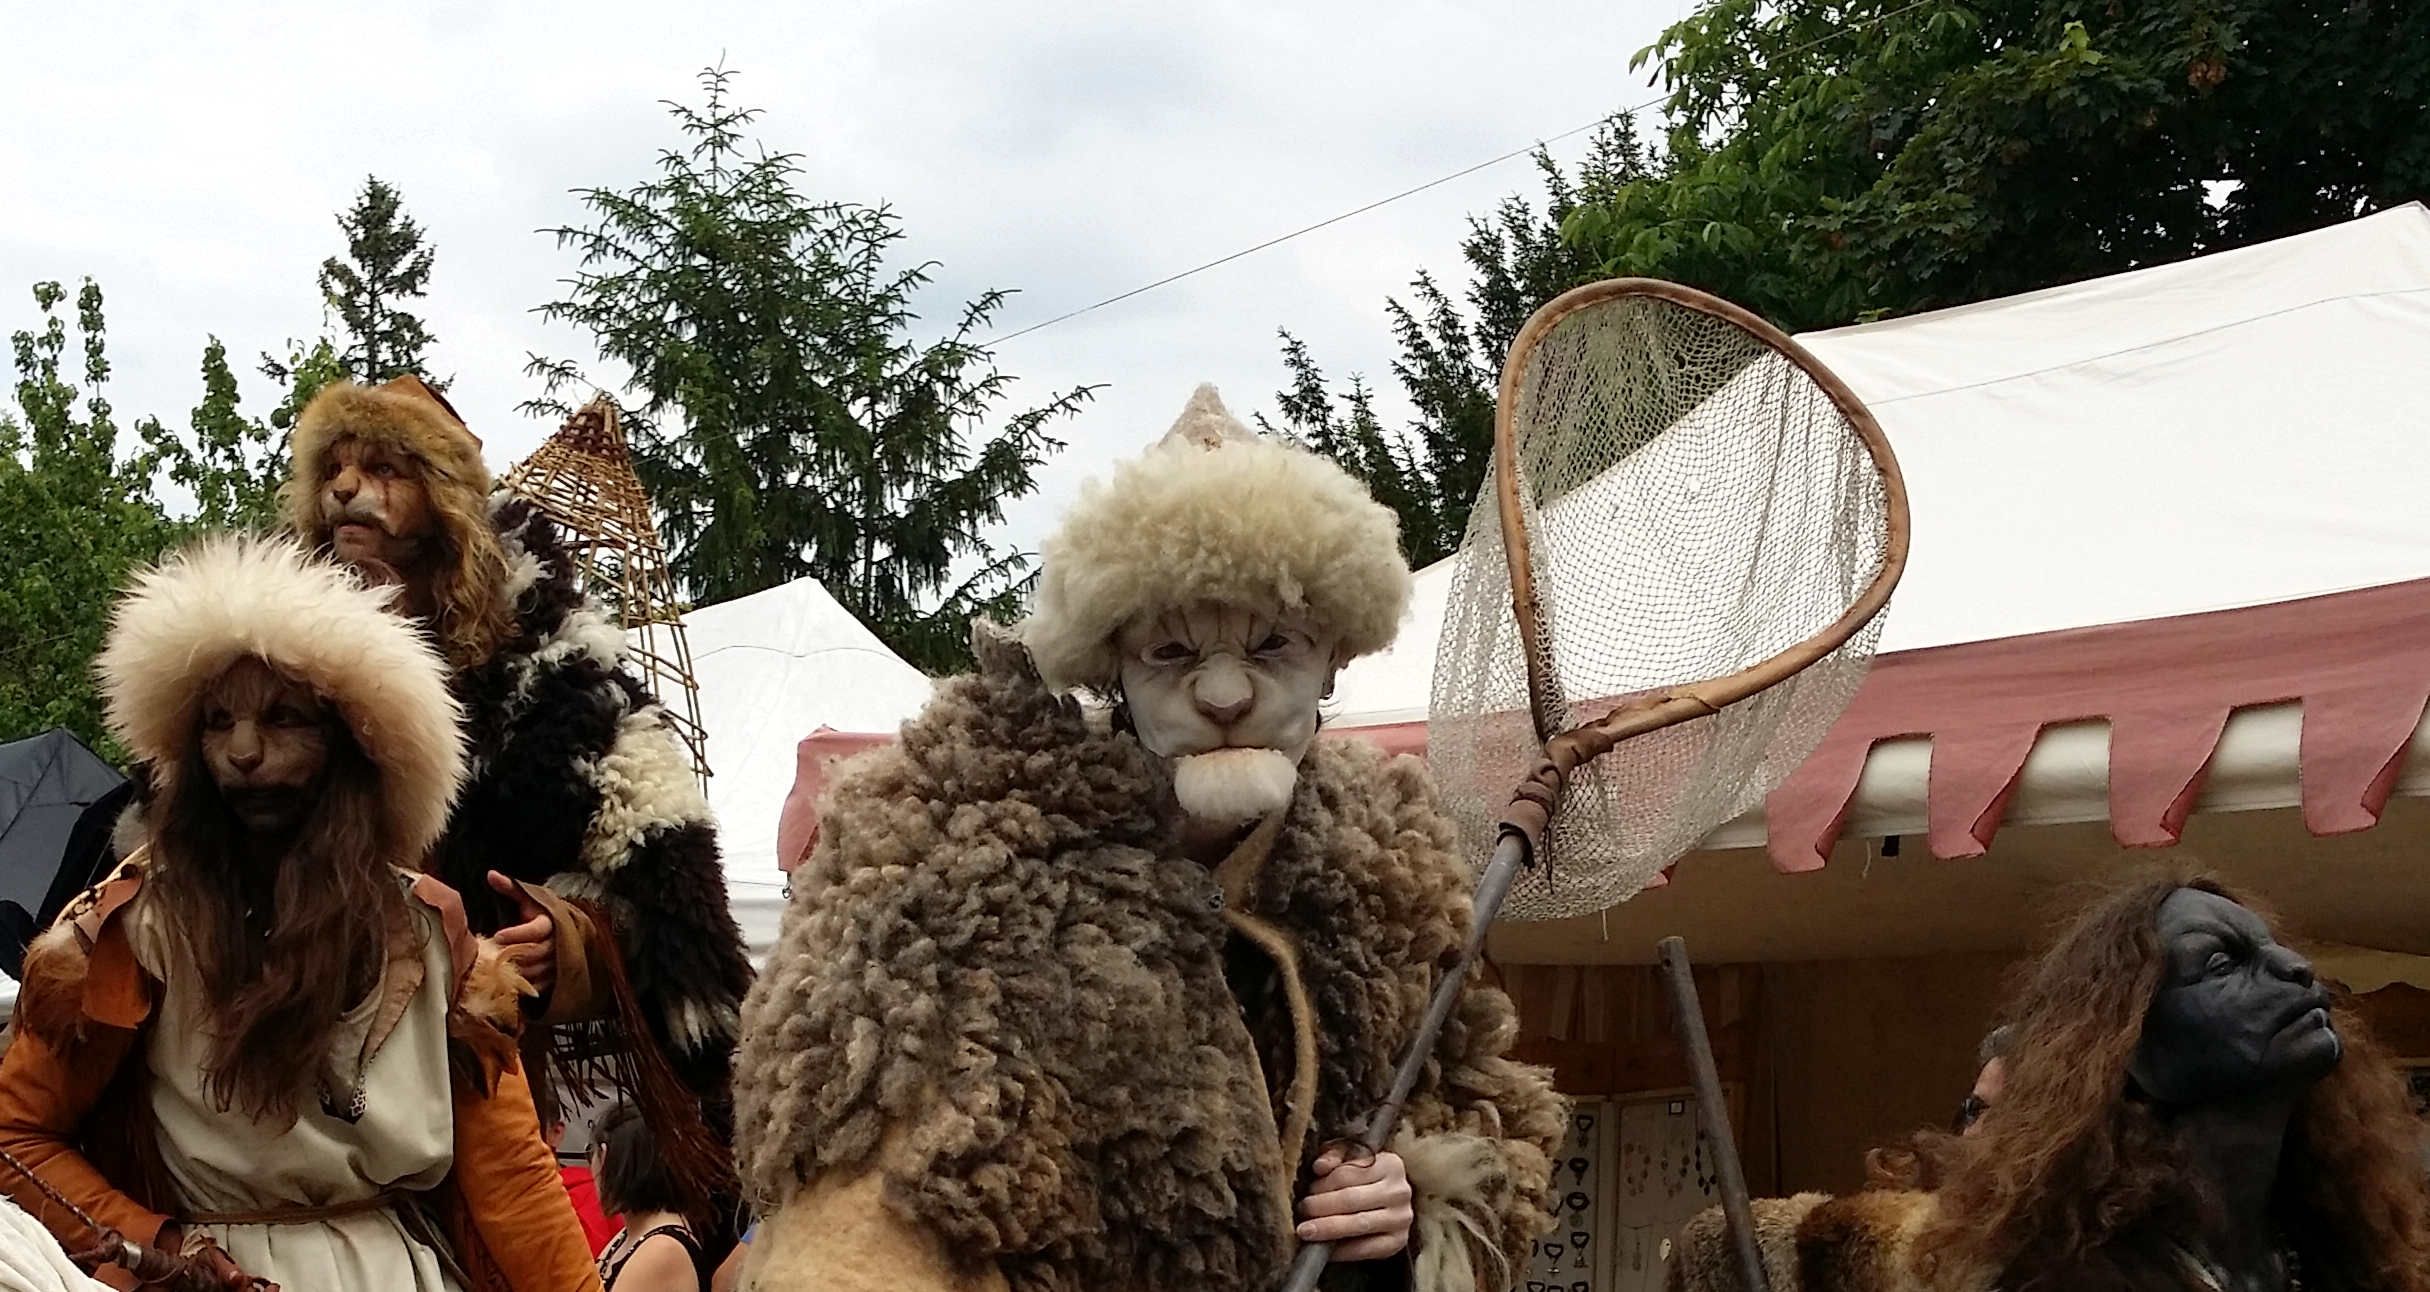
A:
(183, 623)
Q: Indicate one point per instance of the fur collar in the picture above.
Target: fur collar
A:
(1860, 1242)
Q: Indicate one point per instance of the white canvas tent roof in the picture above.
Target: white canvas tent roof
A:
(774, 667)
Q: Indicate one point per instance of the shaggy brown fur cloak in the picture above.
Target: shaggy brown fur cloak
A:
(1863, 1242)
(577, 787)
(990, 965)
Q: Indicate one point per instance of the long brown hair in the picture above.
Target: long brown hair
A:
(2073, 1180)
(472, 614)
(281, 951)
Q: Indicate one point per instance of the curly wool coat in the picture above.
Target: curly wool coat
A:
(577, 782)
(1813, 1242)
(996, 988)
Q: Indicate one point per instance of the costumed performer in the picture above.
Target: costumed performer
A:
(2185, 1108)
(266, 1040)
(581, 838)
(1068, 1000)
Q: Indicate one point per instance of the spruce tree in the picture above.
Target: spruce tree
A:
(785, 415)
(386, 267)
(1450, 363)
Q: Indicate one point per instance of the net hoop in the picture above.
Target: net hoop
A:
(1676, 704)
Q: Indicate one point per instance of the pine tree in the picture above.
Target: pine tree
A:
(386, 266)
(1450, 362)
(782, 415)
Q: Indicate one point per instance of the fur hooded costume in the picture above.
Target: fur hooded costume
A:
(185, 622)
(75, 1102)
(577, 785)
(1010, 1039)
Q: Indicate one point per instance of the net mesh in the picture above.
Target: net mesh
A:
(1694, 504)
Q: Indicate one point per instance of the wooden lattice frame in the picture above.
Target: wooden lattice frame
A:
(582, 476)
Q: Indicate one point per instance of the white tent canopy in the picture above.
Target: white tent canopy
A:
(774, 667)
(2233, 431)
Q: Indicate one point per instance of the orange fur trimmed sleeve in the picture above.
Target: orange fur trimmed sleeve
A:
(510, 1217)
(60, 1062)
(515, 1203)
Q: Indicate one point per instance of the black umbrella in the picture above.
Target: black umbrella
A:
(58, 801)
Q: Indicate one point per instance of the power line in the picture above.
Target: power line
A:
(1278, 241)
(1217, 263)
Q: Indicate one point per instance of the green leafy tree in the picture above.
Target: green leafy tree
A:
(1451, 354)
(79, 513)
(230, 464)
(783, 417)
(75, 519)
(386, 267)
(1835, 160)
(301, 372)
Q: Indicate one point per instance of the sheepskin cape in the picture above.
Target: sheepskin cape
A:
(579, 782)
(1213, 513)
(1813, 1242)
(183, 623)
(992, 966)
(576, 780)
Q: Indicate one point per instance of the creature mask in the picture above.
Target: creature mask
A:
(374, 504)
(266, 740)
(1229, 698)
(2236, 1014)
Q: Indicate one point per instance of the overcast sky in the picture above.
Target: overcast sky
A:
(190, 157)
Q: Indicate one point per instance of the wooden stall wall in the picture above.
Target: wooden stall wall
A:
(1824, 1060)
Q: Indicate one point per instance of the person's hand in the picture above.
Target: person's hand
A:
(208, 1267)
(1361, 1206)
(531, 943)
(223, 1267)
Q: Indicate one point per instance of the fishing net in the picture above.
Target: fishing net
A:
(1697, 508)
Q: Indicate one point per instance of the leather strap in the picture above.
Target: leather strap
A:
(300, 1215)
(1236, 876)
(461, 946)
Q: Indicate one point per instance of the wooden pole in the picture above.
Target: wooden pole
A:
(1509, 855)
(1736, 1207)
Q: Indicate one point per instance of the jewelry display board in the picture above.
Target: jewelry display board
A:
(1574, 1256)
(1630, 1174)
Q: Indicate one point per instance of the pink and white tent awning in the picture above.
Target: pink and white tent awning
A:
(2171, 554)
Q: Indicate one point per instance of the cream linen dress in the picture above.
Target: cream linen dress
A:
(228, 1164)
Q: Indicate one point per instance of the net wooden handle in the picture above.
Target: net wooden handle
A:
(1532, 804)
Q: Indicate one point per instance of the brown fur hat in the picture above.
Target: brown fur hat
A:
(474, 611)
(403, 415)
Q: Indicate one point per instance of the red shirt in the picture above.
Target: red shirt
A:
(596, 1225)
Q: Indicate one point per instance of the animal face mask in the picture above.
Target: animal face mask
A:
(2237, 1013)
(265, 739)
(375, 505)
(1229, 697)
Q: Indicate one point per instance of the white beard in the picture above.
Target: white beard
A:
(1228, 786)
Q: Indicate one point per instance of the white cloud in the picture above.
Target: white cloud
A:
(191, 157)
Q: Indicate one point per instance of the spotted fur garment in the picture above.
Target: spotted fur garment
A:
(574, 761)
